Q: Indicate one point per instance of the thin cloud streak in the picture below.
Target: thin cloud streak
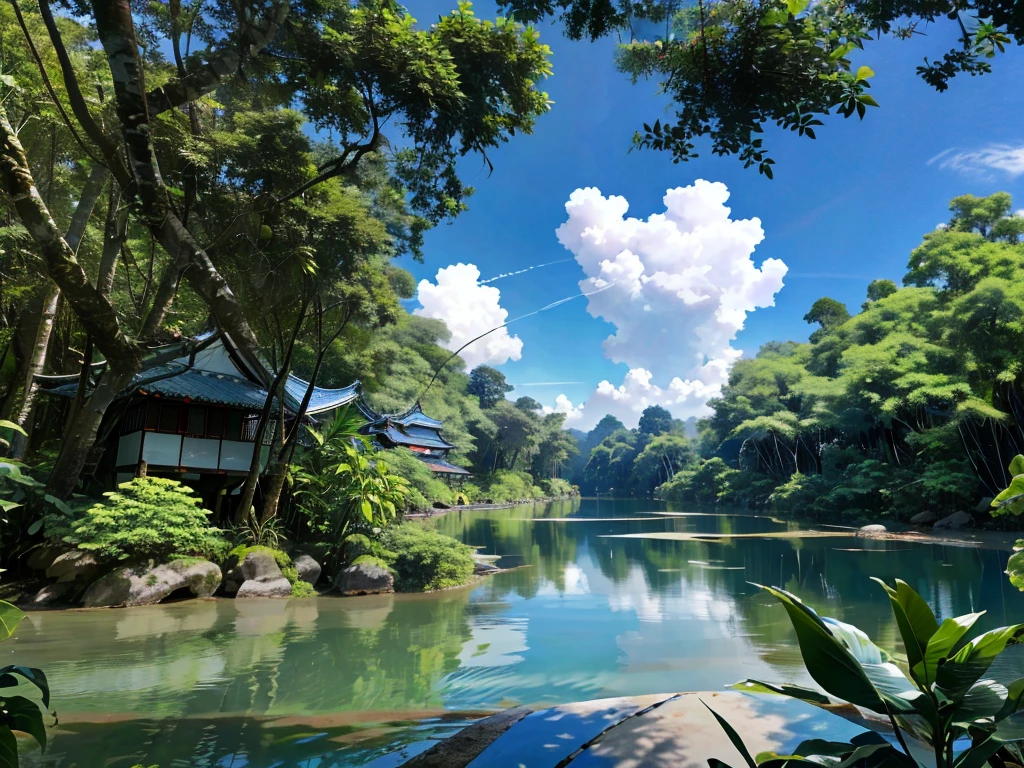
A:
(521, 271)
(1005, 158)
(548, 383)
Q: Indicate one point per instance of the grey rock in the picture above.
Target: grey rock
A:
(146, 586)
(924, 518)
(871, 530)
(365, 579)
(985, 505)
(264, 588)
(51, 593)
(256, 566)
(955, 521)
(309, 569)
(42, 558)
(483, 569)
(73, 565)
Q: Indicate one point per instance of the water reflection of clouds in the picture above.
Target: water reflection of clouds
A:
(494, 643)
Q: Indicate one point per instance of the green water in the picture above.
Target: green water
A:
(345, 681)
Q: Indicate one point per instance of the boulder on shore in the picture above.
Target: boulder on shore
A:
(279, 587)
(72, 566)
(872, 530)
(147, 586)
(955, 521)
(41, 558)
(365, 579)
(257, 575)
(924, 518)
(51, 593)
(308, 569)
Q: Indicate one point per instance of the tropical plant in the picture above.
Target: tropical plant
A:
(259, 533)
(18, 713)
(1011, 499)
(342, 484)
(962, 697)
(147, 517)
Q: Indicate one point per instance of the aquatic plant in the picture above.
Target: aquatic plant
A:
(964, 698)
(18, 713)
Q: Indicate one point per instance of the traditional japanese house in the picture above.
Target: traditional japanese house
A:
(420, 434)
(192, 414)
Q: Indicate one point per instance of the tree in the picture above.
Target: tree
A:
(730, 67)
(366, 70)
(655, 421)
(879, 289)
(828, 314)
(529, 405)
(488, 384)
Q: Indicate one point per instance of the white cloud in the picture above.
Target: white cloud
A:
(469, 309)
(681, 285)
(1005, 158)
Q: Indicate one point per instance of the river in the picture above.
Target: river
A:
(333, 681)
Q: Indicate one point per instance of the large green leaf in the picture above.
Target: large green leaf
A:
(944, 643)
(733, 737)
(966, 667)
(5, 424)
(977, 755)
(828, 661)
(1011, 498)
(1017, 465)
(33, 675)
(1010, 728)
(25, 716)
(986, 698)
(8, 748)
(914, 618)
(10, 618)
(1015, 566)
(795, 691)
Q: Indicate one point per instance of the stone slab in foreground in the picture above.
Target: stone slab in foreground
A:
(661, 731)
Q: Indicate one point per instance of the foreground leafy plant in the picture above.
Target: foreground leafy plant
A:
(958, 690)
(1011, 499)
(18, 713)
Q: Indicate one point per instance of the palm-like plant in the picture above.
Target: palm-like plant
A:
(962, 697)
(343, 484)
(18, 713)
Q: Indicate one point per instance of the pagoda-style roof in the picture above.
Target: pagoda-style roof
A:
(322, 399)
(419, 437)
(442, 467)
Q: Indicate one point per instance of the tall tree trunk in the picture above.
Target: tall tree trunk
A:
(44, 329)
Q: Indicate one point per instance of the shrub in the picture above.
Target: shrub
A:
(146, 518)
(506, 485)
(556, 486)
(424, 486)
(424, 559)
(710, 483)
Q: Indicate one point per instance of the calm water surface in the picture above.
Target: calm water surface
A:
(350, 681)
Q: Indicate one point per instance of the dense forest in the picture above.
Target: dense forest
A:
(911, 405)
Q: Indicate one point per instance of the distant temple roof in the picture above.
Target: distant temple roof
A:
(442, 467)
(422, 438)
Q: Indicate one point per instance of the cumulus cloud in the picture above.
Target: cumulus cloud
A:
(469, 309)
(679, 286)
(1004, 158)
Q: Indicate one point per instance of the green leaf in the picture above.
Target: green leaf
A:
(796, 7)
(34, 528)
(35, 676)
(956, 676)
(25, 716)
(1017, 465)
(828, 661)
(1012, 497)
(10, 618)
(977, 755)
(944, 643)
(367, 511)
(841, 51)
(866, 98)
(794, 691)
(865, 72)
(8, 748)
(59, 504)
(4, 423)
(733, 737)
(914, 618)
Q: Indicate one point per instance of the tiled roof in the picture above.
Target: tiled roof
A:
(415, 416)
(443, 467)
(322, 399)
(399, 436)
(197, 386)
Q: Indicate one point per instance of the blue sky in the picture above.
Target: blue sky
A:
(842, 210)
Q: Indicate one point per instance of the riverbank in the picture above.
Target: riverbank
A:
(422, 514)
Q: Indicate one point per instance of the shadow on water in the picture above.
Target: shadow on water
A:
(344, 681)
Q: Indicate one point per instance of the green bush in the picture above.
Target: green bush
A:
(709, 483)
(556, 486)
(424, 486)
(505, 486)
(146, 518)
(424, 559)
